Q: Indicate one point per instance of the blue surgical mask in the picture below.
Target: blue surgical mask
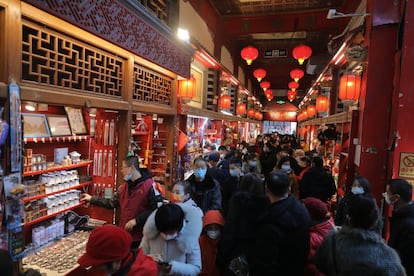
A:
(128, 177)
(252, 163)
(357, 190)
(234, 172)
(200, 173)
(286, 168)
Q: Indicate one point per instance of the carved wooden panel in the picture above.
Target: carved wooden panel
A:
(150, 86)
(113, 21)
(51, 58)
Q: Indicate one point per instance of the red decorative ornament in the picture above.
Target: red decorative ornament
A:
(268, 92)
(302, 130)
(269, 97)
(250, 113)
(311, 110)
(291, 95)
(293, 85)
(265, 85)
(349, 87)
(186, 89)
(257, 115)
(241, 109)
(297, 74)
(249, 54)
(322, 104)
(225, 102)
(259, 74)
(301, 53)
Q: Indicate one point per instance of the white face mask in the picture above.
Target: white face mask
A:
(213, 234)
(222, 156)
(252, 163)
(244, 151)
(387, 199)
(169, 237)
(357, 190)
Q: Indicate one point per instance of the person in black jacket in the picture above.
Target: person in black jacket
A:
(268, 159)
(399, 194)
(282, 236)
(317, 182)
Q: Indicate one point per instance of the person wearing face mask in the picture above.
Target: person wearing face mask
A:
(108, 250)
(251, 165)
(180, 193)
(399, 195)
(212, 227)
(232, 183)
(268, 158)
(137, 197)
(360, 186)
(205, 190)
(284, 165)
(171, 236)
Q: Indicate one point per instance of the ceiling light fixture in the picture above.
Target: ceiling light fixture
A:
(332, 14)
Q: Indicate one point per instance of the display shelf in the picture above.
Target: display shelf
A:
(27, 199)
(59, 168)
(52, 215)
(74, 138)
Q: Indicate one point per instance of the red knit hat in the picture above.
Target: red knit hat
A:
(316, 207)
(213, 216)
(106, 243)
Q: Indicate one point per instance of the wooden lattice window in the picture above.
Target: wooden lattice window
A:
(150, 86)
(54, 59)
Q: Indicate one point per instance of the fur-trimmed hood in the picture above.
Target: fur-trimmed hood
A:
(188, 235)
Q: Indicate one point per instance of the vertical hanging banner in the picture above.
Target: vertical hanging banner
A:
(15, 128)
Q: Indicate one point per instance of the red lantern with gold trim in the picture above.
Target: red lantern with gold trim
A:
(322, 104)
(265, 85)
(249, 54)
(297, 74)
(241, 109)
(225, 102)
(293, 85)
(349, 87)
(186, 89)
(291, 95)
(259, 74)
(301, 53)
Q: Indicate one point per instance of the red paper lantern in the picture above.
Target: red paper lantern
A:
(241, 109)
(311, 110)
(257, 115)
(293, 85)
(259, 74)
(250, 113)
(225, 102)
(301, 53)
(297, 74)
(322, 104)
(302, 130)
(268, 92)
(349, 87)
(305, 114)
(249, 54)
(269, 97)
(186, 89)
(291, 95)
(265, 85)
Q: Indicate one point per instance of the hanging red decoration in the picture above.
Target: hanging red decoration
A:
(265, 85)
(268, 92)
(241, 109)
(322, 104)
(250, 113)
(349, 87)
(225, 102)
(301, 53)
(291, 95)
(257, 115)
(293, 85)
(311, 110)
(249, 54)
(302, 130)
(297, 74)
(269, 97)
(259, 74)
(186, 89)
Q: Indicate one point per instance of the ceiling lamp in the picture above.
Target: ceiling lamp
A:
(291, 95)
(301, 53)
(241, 109)
(311, 109)
(297, 74)
(249, 54)
(259, 74)
(250, 113)
(322, 104)
(186, 89)
(293, 85)
(225, 102)
(265, 85)
(349, 87)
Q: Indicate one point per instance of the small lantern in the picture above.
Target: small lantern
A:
(257, 115)
(297, 74)
(269, 97)
(259, 74)
(301, 53)
(265, 85)
(249, 54)
(268, 92)
(186, 89)
(225, 102)
(241, 109)
(250, 113)
(322, 102)
(311, 110)
(349, 87)
(293, 85)
(291, 95)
